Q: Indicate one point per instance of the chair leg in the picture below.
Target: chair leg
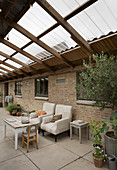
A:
(55, 138)
(27, 145)
(36, 143)
(43, 132)
(68, 132)
(22, 141)
(39, 129)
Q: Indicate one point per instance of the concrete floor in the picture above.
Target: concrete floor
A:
(66, 154)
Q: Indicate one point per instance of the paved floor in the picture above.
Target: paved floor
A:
(66, 154)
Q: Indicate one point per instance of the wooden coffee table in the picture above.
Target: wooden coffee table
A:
(17, 127)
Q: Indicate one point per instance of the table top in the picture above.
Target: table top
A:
(15, 122)
(78, 124)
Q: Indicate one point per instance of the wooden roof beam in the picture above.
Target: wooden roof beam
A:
(13, 67)
(9, 7)
(16, 61)
(80, 40)
(23, 52)
(70, 15)
(9, 72)
(37, 41)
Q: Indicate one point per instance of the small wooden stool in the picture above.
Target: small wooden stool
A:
(30, 137)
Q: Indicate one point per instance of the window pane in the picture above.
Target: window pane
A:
(41, 87)
(18, 86)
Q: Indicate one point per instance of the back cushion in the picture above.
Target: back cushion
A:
(49, 108)
(65, 110)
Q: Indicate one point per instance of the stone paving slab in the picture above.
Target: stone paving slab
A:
(7, 151)
(18, 163)
(81, 164)
(52, 157)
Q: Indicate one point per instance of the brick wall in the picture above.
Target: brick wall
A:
(58, 92)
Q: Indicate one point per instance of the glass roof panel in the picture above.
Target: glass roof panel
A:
(17, 38)
(22, 58)
(59, 39)
(37, 51)
(7, 50)
(36, 20)
(13, 63)
(2, 58)
(2, 65)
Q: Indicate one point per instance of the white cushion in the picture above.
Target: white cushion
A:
(33, 115)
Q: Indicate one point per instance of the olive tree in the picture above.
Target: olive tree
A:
(99, 81)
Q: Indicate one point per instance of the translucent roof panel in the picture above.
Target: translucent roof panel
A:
(8, 68)
(2, 58)
(6, 49)
(13, 63)
(36, 20)
(3, 71)
(37, 51)
(97, 20)
(64, 7)
(17, 38)
(22, 58)
(59, 39)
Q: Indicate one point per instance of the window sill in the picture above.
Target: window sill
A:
(41, 98)
(18, 96)
(85, 102)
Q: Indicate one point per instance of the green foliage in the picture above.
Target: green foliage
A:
(113, 124)
(10, 107)
(99, 152)
(99, 81)
(31, 111)
(14, 108)
(96, 130)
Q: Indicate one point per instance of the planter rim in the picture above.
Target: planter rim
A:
(109, 136)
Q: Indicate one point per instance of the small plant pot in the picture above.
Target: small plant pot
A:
(10, 113)
(98, 162)
(18, 113)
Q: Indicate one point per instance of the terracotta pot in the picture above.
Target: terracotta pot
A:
(18, 113)
(98, 162)
(10, 113)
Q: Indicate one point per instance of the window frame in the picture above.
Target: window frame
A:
(43, 86)
(18, 88)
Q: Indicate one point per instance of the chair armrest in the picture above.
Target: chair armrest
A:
(47, 119)
(46, 115)
(62, 122)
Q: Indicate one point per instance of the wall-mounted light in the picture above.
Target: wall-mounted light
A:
(31, 5)
(0, 10)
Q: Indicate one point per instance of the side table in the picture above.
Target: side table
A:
(79, 126)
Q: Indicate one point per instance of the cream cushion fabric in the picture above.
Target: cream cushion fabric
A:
(60, 125)
(49, 108)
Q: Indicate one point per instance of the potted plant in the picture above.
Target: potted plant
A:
(14, 109)
(10, 108)
(98, 151)
(99, 83)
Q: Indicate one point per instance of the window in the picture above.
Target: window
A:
(18, 88)
(41, 87)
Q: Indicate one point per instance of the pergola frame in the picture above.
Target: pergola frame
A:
(26, 70)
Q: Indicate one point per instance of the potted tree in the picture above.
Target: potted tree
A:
(99, 83)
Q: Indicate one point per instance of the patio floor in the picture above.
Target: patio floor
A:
(66, 154)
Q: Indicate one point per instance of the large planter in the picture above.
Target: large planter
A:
(98, 162)
(110, 148)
